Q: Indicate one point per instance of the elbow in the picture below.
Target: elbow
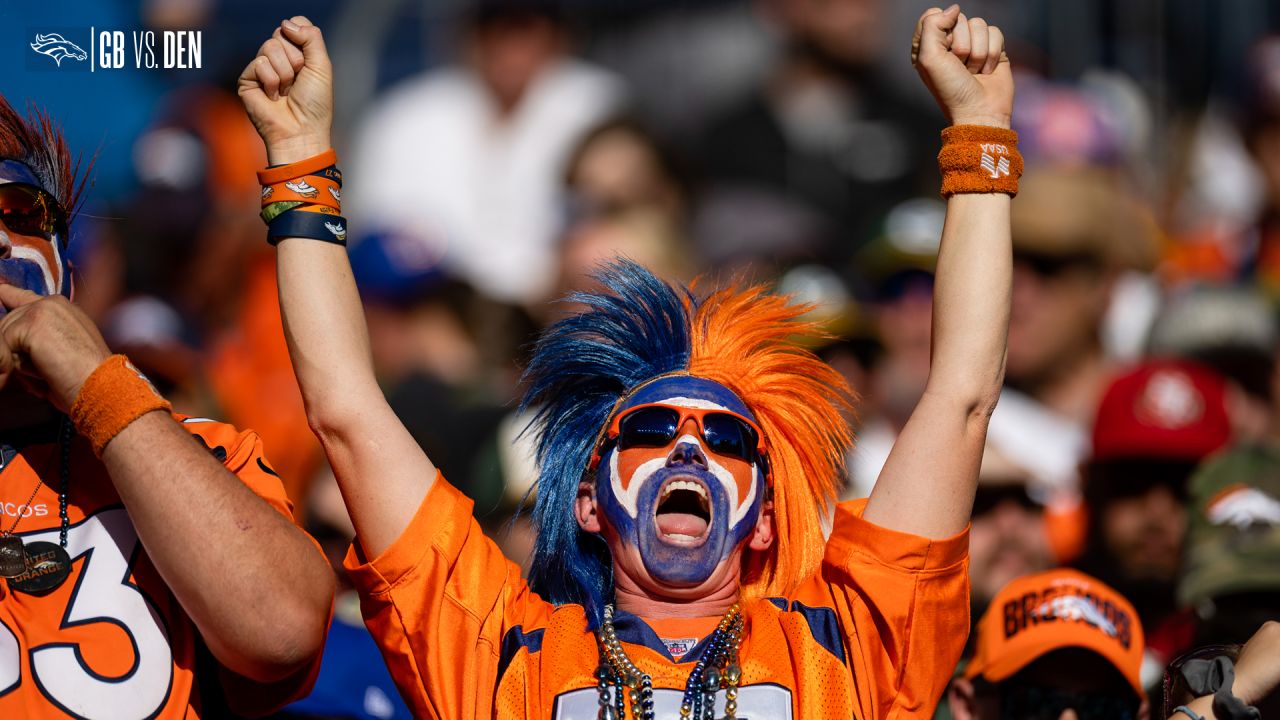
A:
(973, 397)
(336, 419)
(292, 640)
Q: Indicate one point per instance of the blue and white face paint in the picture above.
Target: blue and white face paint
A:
(32, 260)
(683, 506)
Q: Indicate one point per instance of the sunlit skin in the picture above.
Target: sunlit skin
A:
(667, 560)
(33, 262)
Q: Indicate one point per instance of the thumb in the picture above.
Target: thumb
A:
(301, 32)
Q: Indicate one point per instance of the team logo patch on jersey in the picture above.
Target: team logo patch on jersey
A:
(677, 647)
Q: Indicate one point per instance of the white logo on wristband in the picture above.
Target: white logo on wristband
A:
(995, 168)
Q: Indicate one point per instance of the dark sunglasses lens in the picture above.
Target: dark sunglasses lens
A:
(1037, 703)
(25, 210)
(729, 435)
(648, 427)
(989, 497)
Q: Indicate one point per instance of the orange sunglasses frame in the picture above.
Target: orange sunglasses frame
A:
(685, 413)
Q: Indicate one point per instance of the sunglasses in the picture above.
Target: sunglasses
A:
(28, 210)
(1050, 266)
(989, 497)
(1173, 672)
(655, 425)
(1032, 702)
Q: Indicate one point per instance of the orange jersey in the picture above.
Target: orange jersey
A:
(875, 635)
(112, 640)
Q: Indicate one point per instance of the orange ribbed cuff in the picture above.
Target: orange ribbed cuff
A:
(113, 396)
(979, 159)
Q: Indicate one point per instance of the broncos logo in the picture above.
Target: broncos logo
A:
(58, 48)
(337, 194)
(338, 231)
(303, 188)
(266, 192)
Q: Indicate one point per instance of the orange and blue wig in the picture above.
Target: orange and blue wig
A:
(637, 327)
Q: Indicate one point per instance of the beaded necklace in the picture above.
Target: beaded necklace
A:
(717, 668)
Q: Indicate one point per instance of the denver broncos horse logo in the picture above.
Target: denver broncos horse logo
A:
(58, 48)
(302, 188)
(338, 231)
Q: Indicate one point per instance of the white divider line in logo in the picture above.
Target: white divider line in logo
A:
(93, 53)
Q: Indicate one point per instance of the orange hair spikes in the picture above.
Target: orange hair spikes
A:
(742, 339)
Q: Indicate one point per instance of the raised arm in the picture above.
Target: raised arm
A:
(928, 482)
(384, 475)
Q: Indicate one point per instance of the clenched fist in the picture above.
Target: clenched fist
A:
(963, 63)
(47, 344)
(288, 91)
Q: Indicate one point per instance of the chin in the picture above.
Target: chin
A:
(659, 585)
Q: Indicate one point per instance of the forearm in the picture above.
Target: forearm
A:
(325, 329)
(928, 482)
(323, 317)
(383, 474)
(971, 303)
(253, 583)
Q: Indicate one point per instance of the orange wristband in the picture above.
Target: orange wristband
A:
(979, 159)
(314, 164)
(113, 396)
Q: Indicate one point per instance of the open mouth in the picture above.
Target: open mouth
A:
(683, 514)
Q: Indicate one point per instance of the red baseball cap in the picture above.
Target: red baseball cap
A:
(1165, 409)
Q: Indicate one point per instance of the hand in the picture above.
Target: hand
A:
(48, 344)
(1258, 667)
(963, 63)
(288, 92)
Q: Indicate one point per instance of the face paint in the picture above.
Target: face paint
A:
(684, 507)
(29, 258)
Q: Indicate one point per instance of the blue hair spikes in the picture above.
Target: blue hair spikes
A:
(635, 327)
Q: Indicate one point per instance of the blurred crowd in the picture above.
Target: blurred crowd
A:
(1137, 441)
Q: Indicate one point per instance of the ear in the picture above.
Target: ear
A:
(762, 536)
(961, 699)
(584, 508)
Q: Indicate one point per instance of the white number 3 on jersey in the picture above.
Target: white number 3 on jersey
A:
(103, 593)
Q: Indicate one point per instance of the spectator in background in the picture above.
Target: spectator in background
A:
(1074, 231)
(628, 196)
(807, 165)
(1232, 330)
(1232, 572)
(1238, 679)
(194, 300)
(1155, 424)
(1008, 535)
(471, 157)
(441, 350)
(897, 270)
(1058, 645)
